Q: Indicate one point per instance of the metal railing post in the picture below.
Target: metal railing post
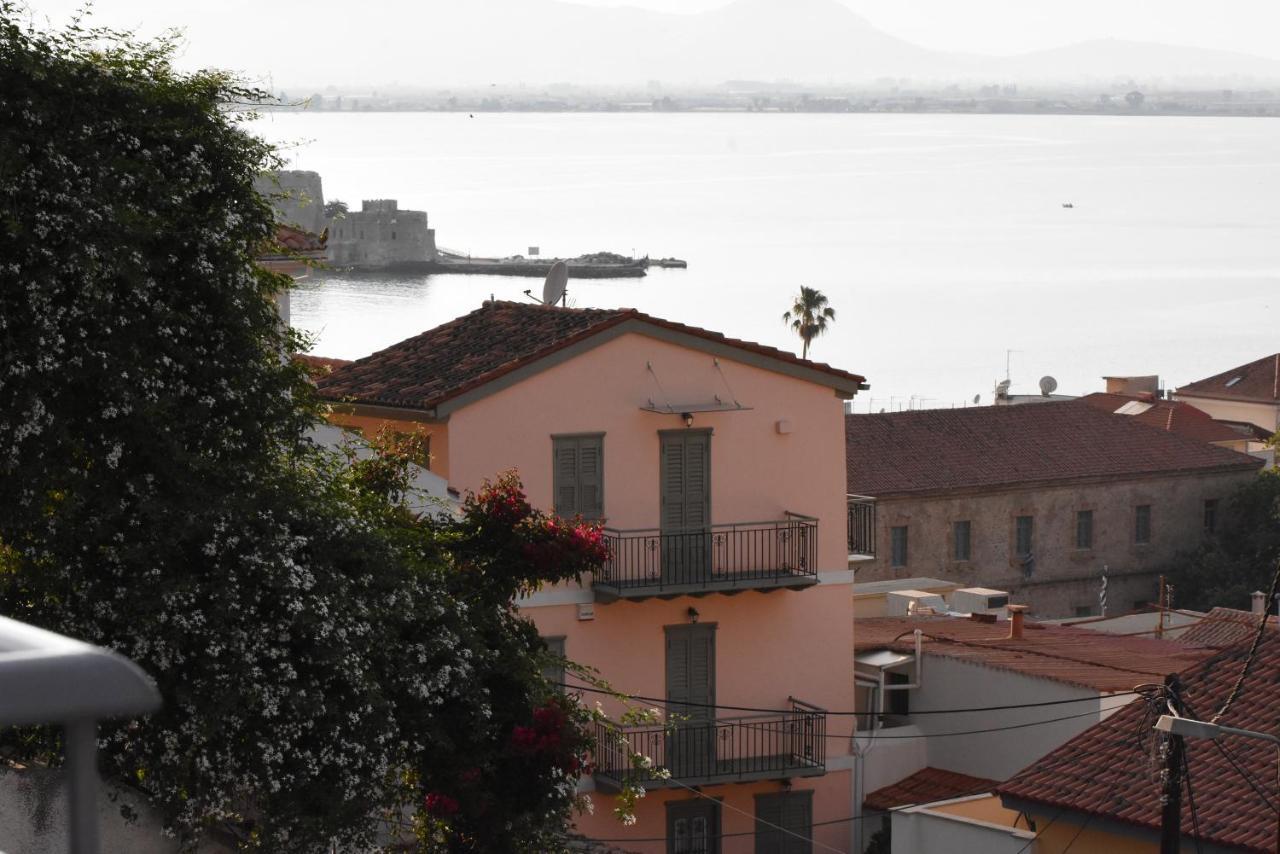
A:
(81, 741)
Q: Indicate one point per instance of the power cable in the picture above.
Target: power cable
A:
(1235, 764)
(1191, 799)
(760, 710)
(1253, 649)
(801, 837)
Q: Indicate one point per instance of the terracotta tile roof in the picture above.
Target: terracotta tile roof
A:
(1248, 430)
(320, 363)
(1081, 657)
(1256, 381)
(1107, 771)
(1223, 627)
(1175, 416)
(925, 787)
(495, 339)
(295, 239)
(982, 447)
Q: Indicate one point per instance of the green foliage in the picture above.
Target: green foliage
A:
(809, 316)
(325, 656)
(335, 209)
(1241, 558)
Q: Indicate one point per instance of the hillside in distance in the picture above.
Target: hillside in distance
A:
(537, 42)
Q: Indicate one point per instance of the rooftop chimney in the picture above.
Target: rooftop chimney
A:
(1015, 621)
(1259, 602)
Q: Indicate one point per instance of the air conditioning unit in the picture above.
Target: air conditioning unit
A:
(903, 603)
(980, 600)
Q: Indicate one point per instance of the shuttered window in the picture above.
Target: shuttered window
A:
(1142, 524)
(790, 811)
(553, 671)
(1023, 527)
(578, 475)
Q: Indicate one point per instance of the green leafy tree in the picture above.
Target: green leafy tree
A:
(326, 657)
(809, 316)
(1241, 558)
(335, 209)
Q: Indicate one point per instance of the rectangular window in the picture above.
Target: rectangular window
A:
(393, 235)
(578, 475)
(791, 811)
(1211, 516)
(960, 536)
(1084, 529)
(553, 671)
(1142, 524)
(1085, 611)
(898, 542)
(1022, 538)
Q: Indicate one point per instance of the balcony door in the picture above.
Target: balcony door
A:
(691, 697)
(685, 513)
(693, 826)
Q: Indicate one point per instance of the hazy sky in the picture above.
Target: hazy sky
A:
(987, 26)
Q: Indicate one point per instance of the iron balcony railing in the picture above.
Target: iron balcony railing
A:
(741, 556)
(862, 525)
(726, 750)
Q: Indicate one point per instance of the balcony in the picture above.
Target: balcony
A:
(721, 559)
(862, 526)
(727, 750)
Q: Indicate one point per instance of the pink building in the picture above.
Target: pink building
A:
(717, 468)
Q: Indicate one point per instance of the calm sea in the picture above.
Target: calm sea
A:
(941, 240)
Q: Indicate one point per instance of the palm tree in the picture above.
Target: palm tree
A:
(809, 316)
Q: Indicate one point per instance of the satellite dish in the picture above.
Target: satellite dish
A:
(976, 398)
(1048, 385)
(557, 281)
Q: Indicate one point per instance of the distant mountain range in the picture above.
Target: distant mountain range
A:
(537, 42)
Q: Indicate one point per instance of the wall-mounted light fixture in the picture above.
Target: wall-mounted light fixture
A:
(693, 614)
(688, 418)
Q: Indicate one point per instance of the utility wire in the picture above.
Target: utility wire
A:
(760, 710)
(1191, 799)
(801, 837)
(1253, 649)
(1235, 764)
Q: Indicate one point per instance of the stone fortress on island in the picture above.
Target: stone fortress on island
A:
(379, 236)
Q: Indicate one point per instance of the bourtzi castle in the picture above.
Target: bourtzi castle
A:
(379, 236)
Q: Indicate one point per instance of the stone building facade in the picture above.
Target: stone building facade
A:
(381, 236)
(1037, 500)
(297, 197)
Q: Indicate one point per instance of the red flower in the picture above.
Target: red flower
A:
(441, 805)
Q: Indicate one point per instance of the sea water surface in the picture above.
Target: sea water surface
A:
(941, 240)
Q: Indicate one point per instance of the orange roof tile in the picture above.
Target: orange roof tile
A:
(984, 447)
(925, 787)
(496, 339)
(1223, 627)
(1082, 657)
(1175, 416)
(1109, 770)
(1257, 381)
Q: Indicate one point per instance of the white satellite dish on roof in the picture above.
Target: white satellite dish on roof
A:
(557, 280)
(1048, 385)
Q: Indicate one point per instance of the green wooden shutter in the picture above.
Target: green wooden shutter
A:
(697, 497)
(792, 811)
(672, 483)
(578, 475)
(691, 664)
(566, 476)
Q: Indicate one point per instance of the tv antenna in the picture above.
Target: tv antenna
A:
(555, 287)
(1048, 385)
(976, 398)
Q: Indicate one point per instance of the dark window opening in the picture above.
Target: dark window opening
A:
(898, 539)
(960, 536)
(1142, 524)
(1211, 516)
(1022, 540)
(1084, 529)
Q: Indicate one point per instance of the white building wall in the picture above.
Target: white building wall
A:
(953, 684)
(918, 830)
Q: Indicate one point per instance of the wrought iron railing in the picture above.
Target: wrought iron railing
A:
(746, 554)
(862, 525)
(754, 747)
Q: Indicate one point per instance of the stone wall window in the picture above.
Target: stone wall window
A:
(898, 545)
(1142, 524)
(393, 235)
(960, 536)
(1023, 527)
(1084, 529)
(1211, 516)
